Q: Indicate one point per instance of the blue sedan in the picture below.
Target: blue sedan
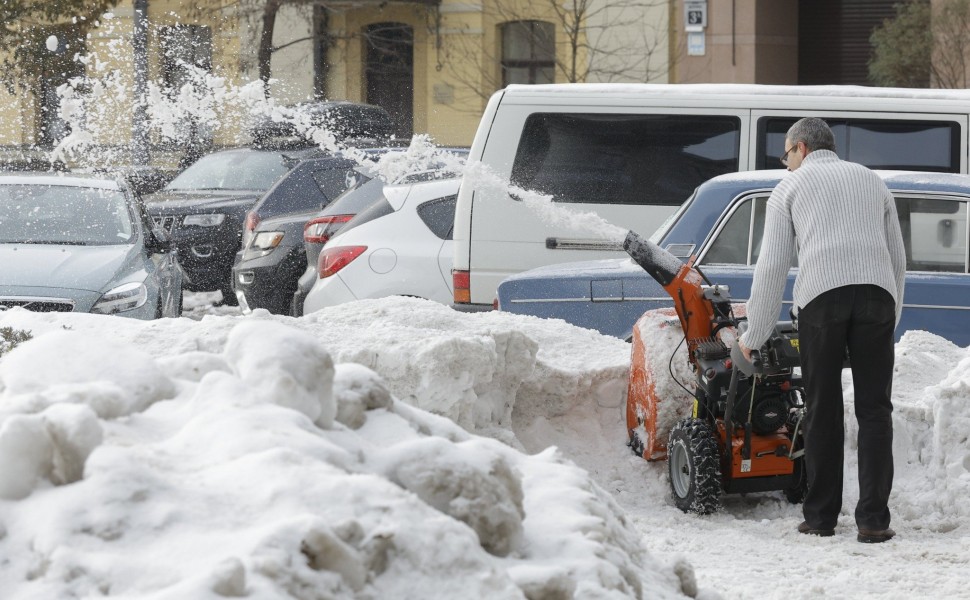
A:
(722, 223)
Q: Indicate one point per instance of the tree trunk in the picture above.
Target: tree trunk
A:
(264, 55)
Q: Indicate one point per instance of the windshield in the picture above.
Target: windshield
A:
(60, 214)
(236, 170)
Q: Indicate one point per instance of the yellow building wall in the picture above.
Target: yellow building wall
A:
(457, 54)
(456, 59)
(12, 118)
(110, 45)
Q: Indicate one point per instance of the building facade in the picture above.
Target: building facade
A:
(817, 42)
(30, 113)
(432, 64)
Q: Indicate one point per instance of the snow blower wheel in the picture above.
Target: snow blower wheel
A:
(695, 470)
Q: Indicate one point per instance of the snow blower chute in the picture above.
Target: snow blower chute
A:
(735, 425)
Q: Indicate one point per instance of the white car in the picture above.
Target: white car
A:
(399, 246)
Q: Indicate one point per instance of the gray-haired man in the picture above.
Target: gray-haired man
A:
(841, 220)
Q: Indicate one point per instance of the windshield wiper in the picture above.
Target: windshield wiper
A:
(51, 242)
(191, 189)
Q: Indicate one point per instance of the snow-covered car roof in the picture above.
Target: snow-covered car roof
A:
(711, 90)
(59, 180)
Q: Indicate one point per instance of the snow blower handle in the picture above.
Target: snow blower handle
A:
(660, 264)
(755, 366)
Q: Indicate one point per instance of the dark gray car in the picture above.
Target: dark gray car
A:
(205, 206)
(273, 257)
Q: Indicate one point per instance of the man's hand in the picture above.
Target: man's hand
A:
(744, 350)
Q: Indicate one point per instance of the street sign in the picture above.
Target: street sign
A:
(695, 15)
(696, 45)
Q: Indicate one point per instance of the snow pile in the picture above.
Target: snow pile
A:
(242, 462)
(221, 483)
(475, 369)
(931, 423)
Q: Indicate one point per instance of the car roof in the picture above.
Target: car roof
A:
(708, 92)
(66, 180)
(895, 180)
(930, 182)
(397, 194)
(431, 185)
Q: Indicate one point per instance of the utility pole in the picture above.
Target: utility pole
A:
(139, 132)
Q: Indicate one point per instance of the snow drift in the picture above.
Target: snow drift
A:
(232, 457)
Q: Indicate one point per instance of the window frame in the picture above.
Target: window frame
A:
(753, 195)
(733, 207)
(538, 124)
(533, 63)
(767, 158)
(943, 196)
(429, 205)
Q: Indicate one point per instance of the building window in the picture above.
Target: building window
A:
(187, 51)
(184, 47)
(528, 52)
(57, 67)
(389, 72)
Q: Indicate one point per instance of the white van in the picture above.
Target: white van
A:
(633, 153)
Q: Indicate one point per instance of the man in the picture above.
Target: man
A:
(841, 220)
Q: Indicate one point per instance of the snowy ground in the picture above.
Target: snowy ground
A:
(206, 457)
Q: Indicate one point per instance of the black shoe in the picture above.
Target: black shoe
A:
(875, 536)
(804, 527)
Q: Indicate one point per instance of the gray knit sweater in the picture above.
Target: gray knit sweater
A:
(841, 220)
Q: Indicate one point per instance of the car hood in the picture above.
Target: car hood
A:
(59, 266)
(188, 200)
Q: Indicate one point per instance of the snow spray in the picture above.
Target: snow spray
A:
(482, 178)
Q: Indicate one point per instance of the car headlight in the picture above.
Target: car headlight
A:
(119, 299)
(210, 220)
(263, 243)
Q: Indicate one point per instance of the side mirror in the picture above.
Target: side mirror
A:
(158, 241)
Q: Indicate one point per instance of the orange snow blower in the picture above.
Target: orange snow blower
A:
(734, 425)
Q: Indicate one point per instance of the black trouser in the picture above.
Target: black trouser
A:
(861, 318)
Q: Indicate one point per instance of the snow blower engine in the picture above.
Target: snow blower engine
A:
(743, 433)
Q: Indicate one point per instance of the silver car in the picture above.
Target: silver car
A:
(72, 243)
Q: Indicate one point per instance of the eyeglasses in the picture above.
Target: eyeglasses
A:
(784, 157)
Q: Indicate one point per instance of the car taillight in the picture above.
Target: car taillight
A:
(336, 258)
(252, 220)
(319, 230)
(461, 281)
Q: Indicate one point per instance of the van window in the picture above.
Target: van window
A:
(624, 159)
(877, 144)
